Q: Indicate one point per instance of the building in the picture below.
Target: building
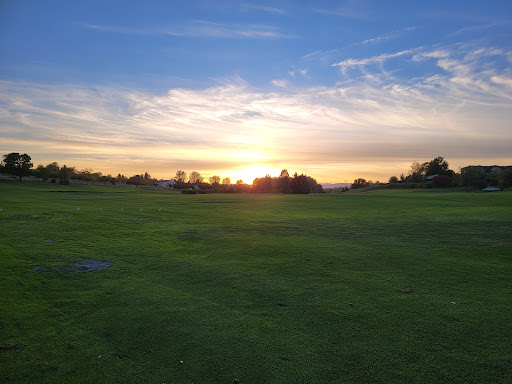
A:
(165, 183)
(491, 170)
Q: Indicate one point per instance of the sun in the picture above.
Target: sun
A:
(248, 174)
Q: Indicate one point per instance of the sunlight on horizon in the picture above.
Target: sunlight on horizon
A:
(248, 174)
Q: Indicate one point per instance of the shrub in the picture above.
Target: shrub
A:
(441, 181)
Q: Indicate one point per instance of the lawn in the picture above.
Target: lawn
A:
(392, 286)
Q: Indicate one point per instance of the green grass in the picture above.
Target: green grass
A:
(257, 288)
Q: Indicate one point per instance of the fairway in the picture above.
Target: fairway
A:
(390, 286)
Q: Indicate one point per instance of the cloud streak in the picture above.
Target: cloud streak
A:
(272, 10)
(200, 28)
(379, 59)
(388, 36)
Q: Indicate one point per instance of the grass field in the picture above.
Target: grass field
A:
(378, 287)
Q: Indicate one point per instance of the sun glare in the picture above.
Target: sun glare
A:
(248, 174)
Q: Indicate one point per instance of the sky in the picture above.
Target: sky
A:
(333, 89)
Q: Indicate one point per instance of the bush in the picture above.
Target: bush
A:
(441, 181)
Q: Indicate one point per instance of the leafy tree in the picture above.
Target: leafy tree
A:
(474, 177)
(65, 174)
(121, 179)
(283, 182)
(214, 180)
(437, 166)
(505, 180)
(262, 185)
(300, 184)
(142, 179)
(195, 177)
(226, 181)
(318, 189)
(312, 183)
(180, 176)
(359, 183)
(53, 169)
(239, 182)
(418, 169)
(393, 179)
(43, 172)
(16, 164)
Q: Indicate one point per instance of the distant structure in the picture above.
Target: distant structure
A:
(165, 183)
(491, 170)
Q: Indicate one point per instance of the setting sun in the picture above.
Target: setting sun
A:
(248, 174)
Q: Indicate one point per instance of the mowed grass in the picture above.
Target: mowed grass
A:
(378, 287)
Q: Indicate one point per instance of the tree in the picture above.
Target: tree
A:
(239, 182)
(474, 177)
(195, 177)
(214, 181)
(53, 170)
(283, 182)
(359, 183)
(262, 185)
(418, 169)
(505, 180)
(65, 174)
(226, 181)
(437, 166)
(441, 181)
(300, 184)
(393, 179)
(121, 179)
(180, 176)
(43, 172)
(318, 189)
(16, 164)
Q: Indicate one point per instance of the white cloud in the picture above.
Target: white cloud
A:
(280, 83)
(262, 8)
(379, 59)
(388, 36)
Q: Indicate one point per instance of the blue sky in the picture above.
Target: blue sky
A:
(336, 89)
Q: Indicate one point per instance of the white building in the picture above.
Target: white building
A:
(165, 183)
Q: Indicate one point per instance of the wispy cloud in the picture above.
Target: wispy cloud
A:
(389, 36)
(351, 9)
(253, 7)
(280, 83)
(201, 28)
(379, 59)
(301, 71)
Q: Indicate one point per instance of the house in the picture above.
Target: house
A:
(491, 170)
(165, 183)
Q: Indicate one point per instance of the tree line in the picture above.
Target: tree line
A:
(437, 174)
(20, 165)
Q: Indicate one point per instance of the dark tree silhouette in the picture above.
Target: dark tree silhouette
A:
(65, 174)
(16, 164)
(437, 166)
(283, 182)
